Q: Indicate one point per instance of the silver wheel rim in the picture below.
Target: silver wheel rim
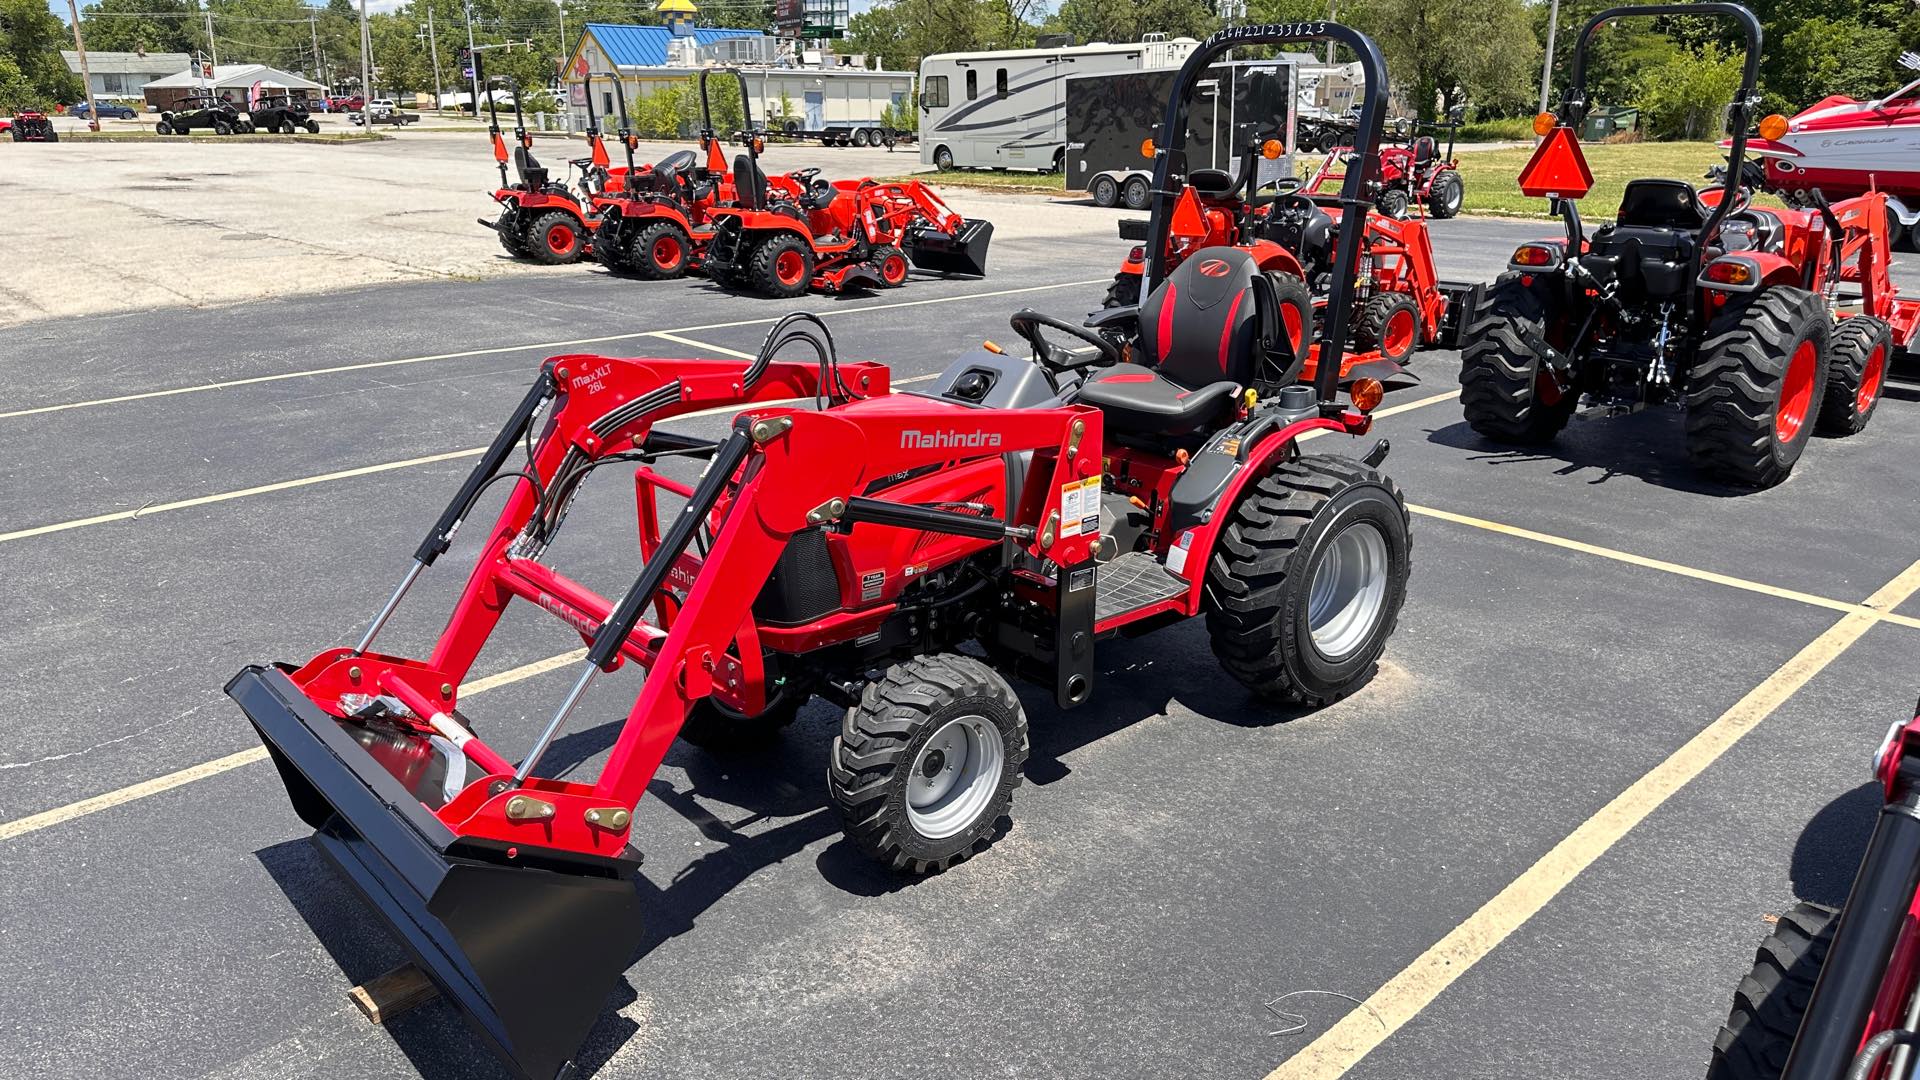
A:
(1348, 590)
(954, 776)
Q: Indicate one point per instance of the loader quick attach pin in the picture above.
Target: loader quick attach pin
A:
(1073, 440)
(765, 431)
(827, 511)
(526, 808)
(609, 817)
(1053, 525)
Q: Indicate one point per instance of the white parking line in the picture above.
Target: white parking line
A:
(228, 384)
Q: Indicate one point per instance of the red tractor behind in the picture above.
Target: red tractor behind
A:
(1415, 173)
(541, 220)
(32, 126)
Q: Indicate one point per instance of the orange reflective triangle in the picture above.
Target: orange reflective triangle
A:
(1188, 221)
(600, 152)
(1557, 167)
(499, 147)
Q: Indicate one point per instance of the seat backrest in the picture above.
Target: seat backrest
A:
(1425, 150)
(749, 183)
(532, 173)
(1206, 322)
(1662, 204)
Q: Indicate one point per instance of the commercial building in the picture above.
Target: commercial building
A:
(119, 76)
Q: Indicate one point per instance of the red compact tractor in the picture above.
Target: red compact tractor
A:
(1762, 325)
(862, 546)
(1415, 173)
(1835, 995)
(541, 220)
(31, 126)
(1401, 304)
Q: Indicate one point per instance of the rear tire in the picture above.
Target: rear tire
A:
(1446, 196)
(554, 238)
(608, 250)
(781, 266)
(1757, 386)
(1124, 292)
(1296, 319)
(1136, 193)
(924, 768)
(508, 230)
(221, 127)
(1390, 323)
(1306, 582)
(1504, 392)
(943, 159)
(313, 127)
(659, 251)
(718, 730)
(1105, 191)
(1857, 359)
(1772, 998)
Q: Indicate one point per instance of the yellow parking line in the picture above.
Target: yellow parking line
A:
(1403, 996)
(1668, 567)
(183, 777)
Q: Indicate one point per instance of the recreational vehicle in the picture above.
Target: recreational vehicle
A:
(1007, 109)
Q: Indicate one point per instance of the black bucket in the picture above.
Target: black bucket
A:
(528, 951)
(964, 252)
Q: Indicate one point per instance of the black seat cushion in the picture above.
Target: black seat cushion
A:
(1139, 400)
(749, 183)
(1425, 150)
(1210, 181)
(1661, 204)
(676, 161)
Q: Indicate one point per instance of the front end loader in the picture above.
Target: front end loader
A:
(901, 556)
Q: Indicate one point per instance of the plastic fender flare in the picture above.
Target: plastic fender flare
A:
(1276, 446)
(1271, 257)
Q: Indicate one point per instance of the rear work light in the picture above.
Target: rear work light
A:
(1738, 275)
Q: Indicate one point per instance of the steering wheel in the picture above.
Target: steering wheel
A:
(804, 176)
(1028, 323)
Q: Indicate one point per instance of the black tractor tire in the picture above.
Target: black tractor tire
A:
(1296, 320)
(1447, 194)
(781, 266)
(52, 135)
(660, 251)
(717, 729)
(554, 239)
(221, 127)
(1858, 356)
(891, 264)
(313, 127)
(1757, 385)
(1124, 292)
(608, 250)
(1772, 998)
(16, 134)
(1389, 322)
(1393, 202)
(943, 159)
(507, 228)
(1136, 193)
(1105, 191)
(877, 760)
(1504, 392)
(1309, 515)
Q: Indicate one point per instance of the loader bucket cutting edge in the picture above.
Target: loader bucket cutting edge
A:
(527, 953)
(964, 252)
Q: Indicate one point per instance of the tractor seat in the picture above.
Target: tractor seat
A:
(1660, 204)
(532, 173)
(750, 183)
(676, 161)
(1212, 182)
(1204, 332)
(1424, 150)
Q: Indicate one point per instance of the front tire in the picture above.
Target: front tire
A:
(659, 251)
(891, 264)
(1760, 1028)
(1505, 391)
(1861, 347)
(1390, 323)
(554, 238)
(781, 266)
(1393, 202)
(1446, 196)
(1757, 385)
(924, 768)
(1307, 580)
(717, 729)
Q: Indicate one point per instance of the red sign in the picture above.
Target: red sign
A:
(1557, 167)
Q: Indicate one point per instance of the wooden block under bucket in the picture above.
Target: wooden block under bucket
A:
(382, 999)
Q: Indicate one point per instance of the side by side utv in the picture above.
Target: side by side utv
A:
(283, 114)
(1761, 325)
(29, 125)
(204, 111)
(898, 554)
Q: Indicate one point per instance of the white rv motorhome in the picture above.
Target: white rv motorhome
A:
(1007, 110)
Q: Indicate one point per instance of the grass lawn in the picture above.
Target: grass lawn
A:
(1491, 176)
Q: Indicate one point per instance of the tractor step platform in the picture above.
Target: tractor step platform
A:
(1131, 582)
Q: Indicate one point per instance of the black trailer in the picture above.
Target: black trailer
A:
(848, 133)
(1110, 115)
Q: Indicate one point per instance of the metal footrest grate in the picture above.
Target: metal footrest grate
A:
(1133, 581)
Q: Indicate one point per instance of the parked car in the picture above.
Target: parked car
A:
(203, 111)
(345, 104)
(106, 108)
(282, 115)
(381, 107)
(389, 115)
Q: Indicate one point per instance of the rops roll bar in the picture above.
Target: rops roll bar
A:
(1170, 162)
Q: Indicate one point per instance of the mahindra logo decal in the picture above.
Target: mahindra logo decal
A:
(1214, 268)
(911, 439)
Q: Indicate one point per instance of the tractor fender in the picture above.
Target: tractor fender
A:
(1272, 258)
(1194, 539)
(1766, 269)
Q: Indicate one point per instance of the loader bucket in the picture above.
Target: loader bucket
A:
(964, 252)
(526, 944)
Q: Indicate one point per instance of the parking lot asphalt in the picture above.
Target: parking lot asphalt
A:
(1180, 856)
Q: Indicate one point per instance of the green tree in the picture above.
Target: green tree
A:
(1127, 20)
(1686, 98)
(32, 41)
(900, 32)
(139, 26)
(1446, 52)
(16, 92)
(1821, 57)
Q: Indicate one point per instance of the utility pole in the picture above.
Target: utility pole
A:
(211, 47)
(313, 28)
(86, 77)
(1546, 66)
(366, 71)
(473, 73)
(1333, 8)
(433, 51)
(566, 107)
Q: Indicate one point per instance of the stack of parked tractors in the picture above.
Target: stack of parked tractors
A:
(775, 236)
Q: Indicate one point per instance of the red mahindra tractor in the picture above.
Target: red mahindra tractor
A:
(1836, 993)
(541, 220)
(863, 546)
(1761, 325)
(32, 126)
(1402, 304)
(659, 224)
(1415, 173)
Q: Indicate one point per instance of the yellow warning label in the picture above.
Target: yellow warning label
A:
(1080, 507)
